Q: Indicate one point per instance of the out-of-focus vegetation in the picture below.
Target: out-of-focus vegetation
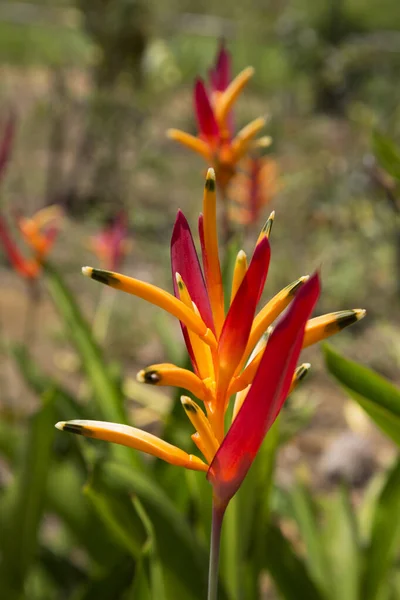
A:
(93, 86)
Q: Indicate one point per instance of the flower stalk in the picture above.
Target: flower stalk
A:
(218, 512)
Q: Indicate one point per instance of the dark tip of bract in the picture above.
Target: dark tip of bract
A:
(71, 428)
(342, 319)
(302, 371)
(189, 407)
(105, 277)
(347, 317)
(210, 184)
(296, 285)
(151, 377)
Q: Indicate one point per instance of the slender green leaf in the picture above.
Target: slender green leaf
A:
(20, 536)
(385, 537)
(343, 548)
(157, 588)
(65, 499)
(387, 153)
(183, 557)
(286, 568)
(305, 513)
(118, 515)
(107, 393)
(377, 396)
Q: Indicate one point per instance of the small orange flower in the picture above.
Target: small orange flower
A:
(232, 352)
(216, 141)
(39, 233)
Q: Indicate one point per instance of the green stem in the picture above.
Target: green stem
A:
(218, 512)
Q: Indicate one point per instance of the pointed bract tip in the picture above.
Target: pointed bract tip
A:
(179, 281)
(87, 271)
(302, 371)
(360, 313)
(140, 376)
(148, 375)
(188, 404)
(60, 425)
(241, 256)
(210, 180)
(266, 230)
(345, 318)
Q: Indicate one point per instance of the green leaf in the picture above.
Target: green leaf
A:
(387, 153)
(377, 396)
(184, 559)
(65, 498)
(304, 512)
(385, 537)
(19, 542)
(286, 568)
(107, 393)
(343, 548)
(118, 515)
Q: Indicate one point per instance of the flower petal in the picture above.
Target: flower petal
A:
(184, 261)
(134, 438)
(210, 253)
(220, 75)
(192, 142)
(265, 398)
(168, 374)
(238, 322)
(206, 121)
(156, 296)
(322, 327)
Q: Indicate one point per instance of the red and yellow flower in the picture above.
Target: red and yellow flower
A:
(216, 141)
(39, 233)
(234, 352)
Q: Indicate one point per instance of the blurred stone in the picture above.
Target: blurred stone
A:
(348, 459)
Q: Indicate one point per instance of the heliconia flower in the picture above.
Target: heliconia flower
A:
(111, 244)
(38, 232)
(216, 141)
(253, 189)
(233, 352)
(6, 142)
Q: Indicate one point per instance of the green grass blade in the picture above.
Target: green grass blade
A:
(343, 547)
(305, 513)
(184, 559)
(20, 537)
(385, 537)
(288, 571)
(107, 393)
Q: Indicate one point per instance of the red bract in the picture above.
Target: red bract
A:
(265, 399)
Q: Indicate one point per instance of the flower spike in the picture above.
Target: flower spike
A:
(220, 347)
